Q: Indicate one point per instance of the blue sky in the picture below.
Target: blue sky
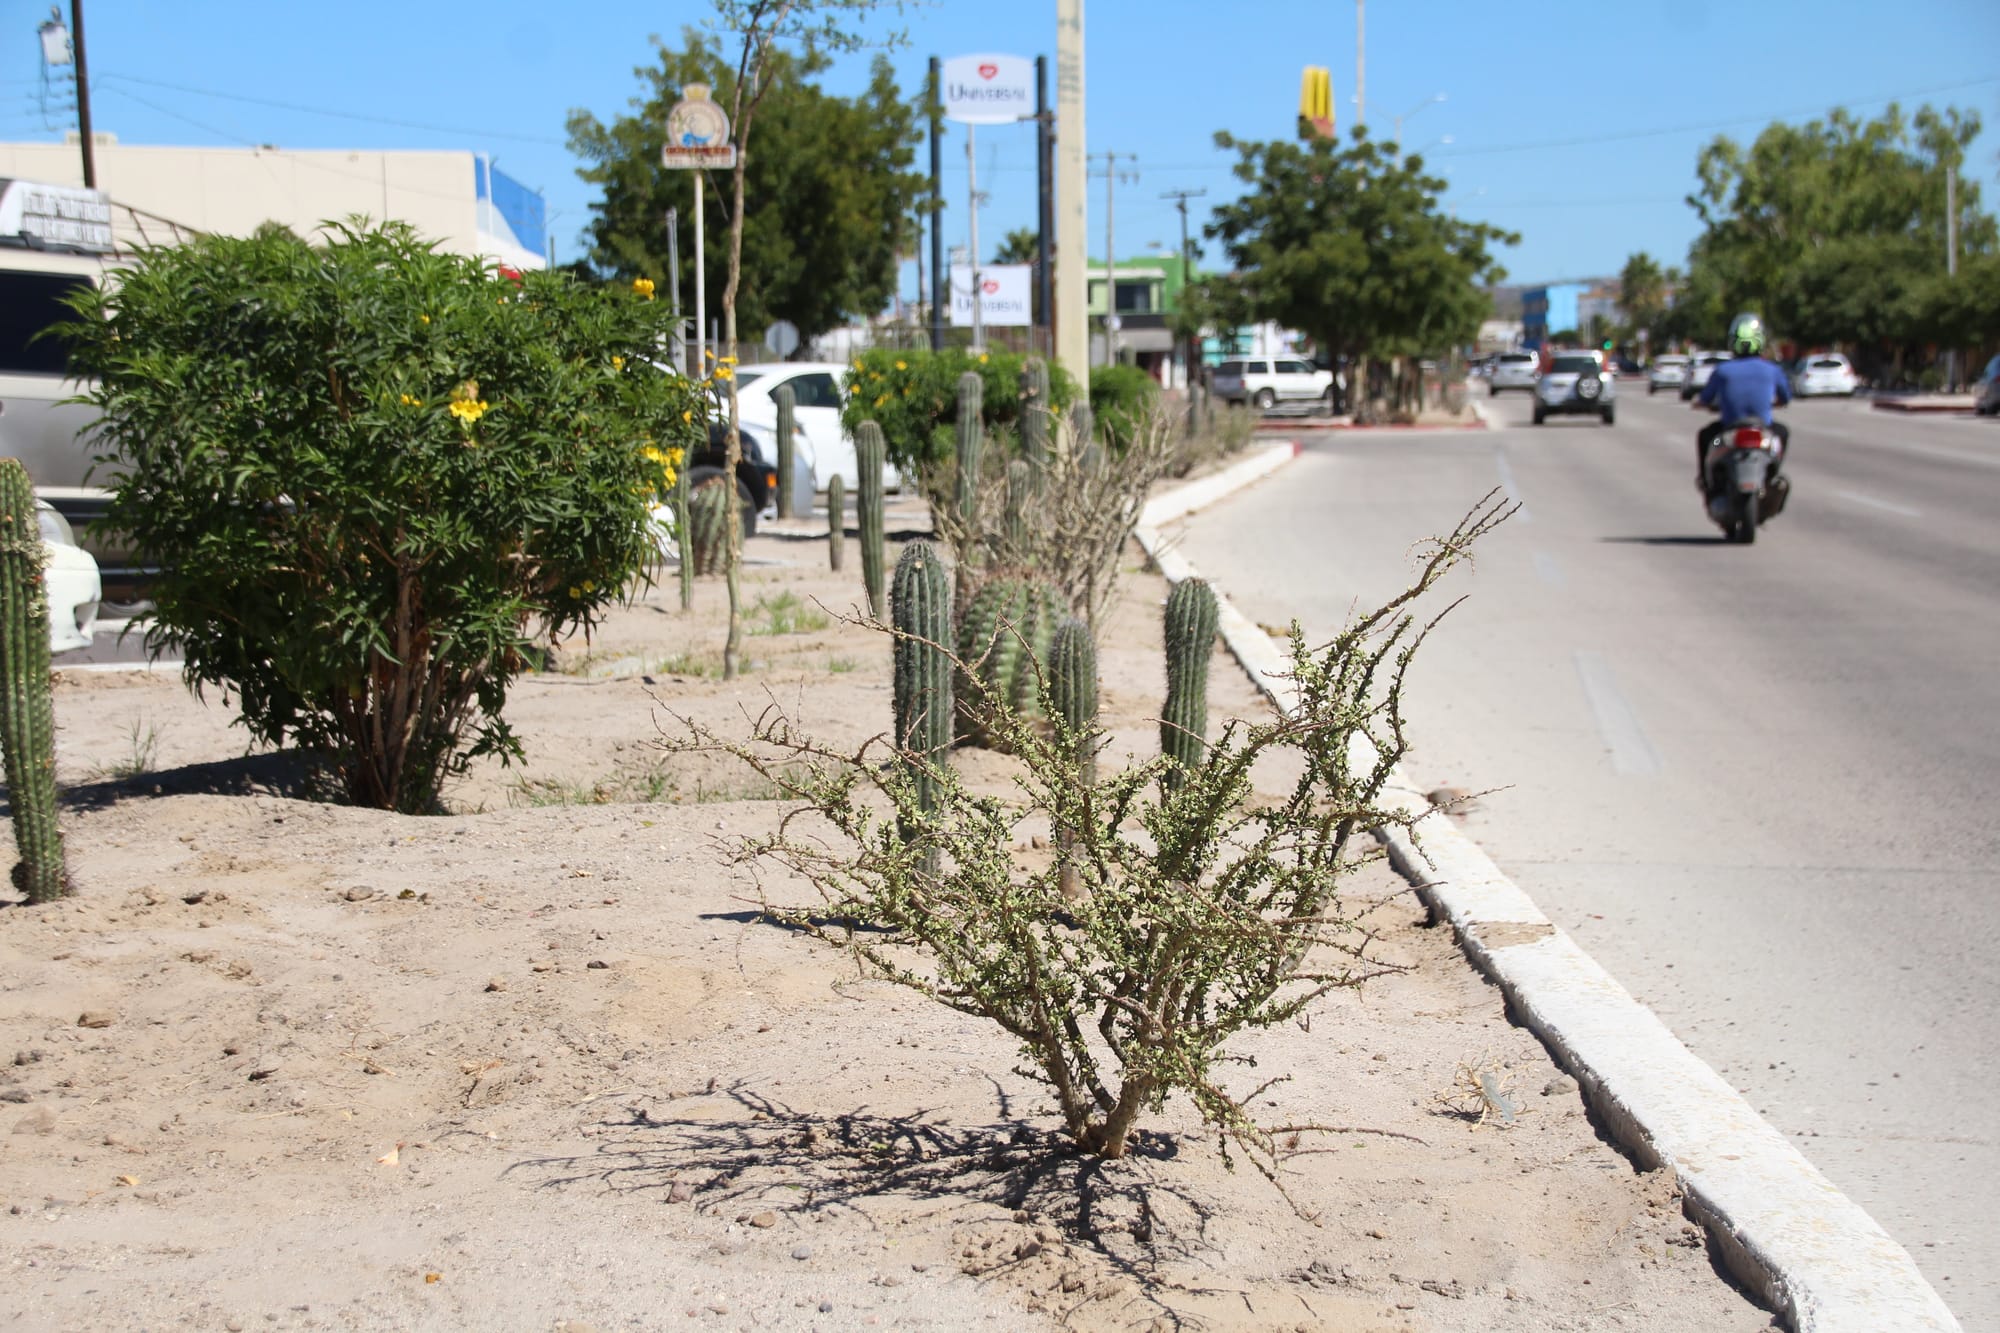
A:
(1576, 125)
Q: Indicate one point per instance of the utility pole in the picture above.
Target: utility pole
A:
(1072, 180)
(82, 95)
(938, 294)
(1045, 203)
(1110, 249)
(972, 224)
(1360, 62)
(1951, 255)
(1190, 349)
(674, 283)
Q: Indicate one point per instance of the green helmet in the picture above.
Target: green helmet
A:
(1746, 335)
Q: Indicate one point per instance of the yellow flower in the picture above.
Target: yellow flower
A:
(674, 457)
(589, 586)
(687, 416)
(728, 360)
(572, 593)
(723, 372)
(982, 358)
(853, 390)
(643, 287)
(469, 410)
(425, 318)
(409, 401)
(883, 399)
(618, 363)
(902, 365)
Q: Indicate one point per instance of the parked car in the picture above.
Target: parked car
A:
(72, 581)
(1514, 370)
(1825, 373)
(1576, 385)
(1667, 372)
(1986, 390)
(816, 405)
(1265, 382)
(1700, 368)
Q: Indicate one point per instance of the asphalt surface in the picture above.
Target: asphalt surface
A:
(1756, 783)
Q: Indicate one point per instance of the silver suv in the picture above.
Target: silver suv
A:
(1264, 382)
(1576, 385)
(1514, 370)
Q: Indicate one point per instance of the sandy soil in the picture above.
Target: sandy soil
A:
(539, 1064)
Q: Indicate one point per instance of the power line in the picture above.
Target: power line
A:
(102, 79)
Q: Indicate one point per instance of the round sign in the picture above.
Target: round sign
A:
(697, 122)
(1113, 323)
(782, 338)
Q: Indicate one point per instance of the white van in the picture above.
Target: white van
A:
(53, 240)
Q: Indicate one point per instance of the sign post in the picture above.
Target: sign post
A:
(984, 90)
(697, 139)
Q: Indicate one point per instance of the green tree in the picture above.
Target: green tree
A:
(831, 191)
(1642, 288)
(1833, 229)
(1023, 245)
(369, 471)
(1347, 243)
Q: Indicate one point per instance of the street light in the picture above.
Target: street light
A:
(1432, 100)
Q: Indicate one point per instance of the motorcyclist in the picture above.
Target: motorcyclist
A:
(1743, 388)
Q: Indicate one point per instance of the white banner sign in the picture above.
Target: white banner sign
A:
(64, 215)
(1004, 300)
(988, 90)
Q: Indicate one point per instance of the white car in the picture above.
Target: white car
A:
(1263, 382)
(1700, 367)
(1666, 372)
(1577, 384)
(816, 405)
(72, 581)
(1514, 370)
(1823, 373)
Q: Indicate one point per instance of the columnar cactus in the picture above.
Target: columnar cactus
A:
(836, 521)
(1082, 425)
(1035, 410)
(709, 513)
(870, 453)
(787, 423)
(27, 713)
(1021, 490)
(1006, 632)
(684, 537)
(971, 437)
(920, 608)
(1072, 685)
(1190, 636)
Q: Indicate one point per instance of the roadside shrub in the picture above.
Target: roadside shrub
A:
(1119, 397)
(913, 397)
(1169, 917)
(369, 472)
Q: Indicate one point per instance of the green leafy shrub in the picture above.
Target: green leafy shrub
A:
(369, 470)
(1120, 397)
(913, 396)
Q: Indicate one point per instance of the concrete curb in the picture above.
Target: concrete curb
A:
(1958, 406)
(1782, 1228)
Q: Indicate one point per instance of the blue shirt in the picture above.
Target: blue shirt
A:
(1745, 388)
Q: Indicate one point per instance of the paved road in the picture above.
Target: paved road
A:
(1757, 783)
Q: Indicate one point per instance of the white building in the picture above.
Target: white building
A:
(454, 198)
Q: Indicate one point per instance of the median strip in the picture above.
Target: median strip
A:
(1779, 1225)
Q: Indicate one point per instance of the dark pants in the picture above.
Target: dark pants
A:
(1714, 429)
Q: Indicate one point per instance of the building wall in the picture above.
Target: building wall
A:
(232, 191)
(1550, 309)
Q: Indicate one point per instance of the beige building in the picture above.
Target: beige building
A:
(455, 198)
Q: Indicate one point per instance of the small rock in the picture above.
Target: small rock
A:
(360, 893)
(495, 984)
(1027, 1249)
(232, 1049)
(41, 1120)
(27, 1057)
(17, 1095)
(263, 1071)
(765, 1219)
(1072, 1280)
(680, 1192)
(597, 964)
(719, 1307)
(826, 1307)
(1038, 842)
(802, 1251)
(1559, 1086)
(1377, 1233)
(891, 1280)
(576, 1326)
(1379, 1058)
(233, 1325)
(96, 1018)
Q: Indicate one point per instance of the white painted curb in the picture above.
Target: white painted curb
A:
(1783, 1229)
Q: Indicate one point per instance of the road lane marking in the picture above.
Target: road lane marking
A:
(1549, 571)
(1874, 503)
(1632, 754)
(1508, 485)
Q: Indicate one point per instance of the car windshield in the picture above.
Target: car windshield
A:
(1517, 358)
(1572, 365)
(748, 376)
(1829, 365)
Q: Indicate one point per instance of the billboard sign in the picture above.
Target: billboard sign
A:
(1003, 296)
(697, 133)
(66, 216)
(988, 90)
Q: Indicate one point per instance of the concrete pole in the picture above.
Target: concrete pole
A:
(1360, 62)
(1951, 255)
(1110, 260)
(82, 95)
(1072, 180)
(972, 224)
(939, 296)
(700, 283)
